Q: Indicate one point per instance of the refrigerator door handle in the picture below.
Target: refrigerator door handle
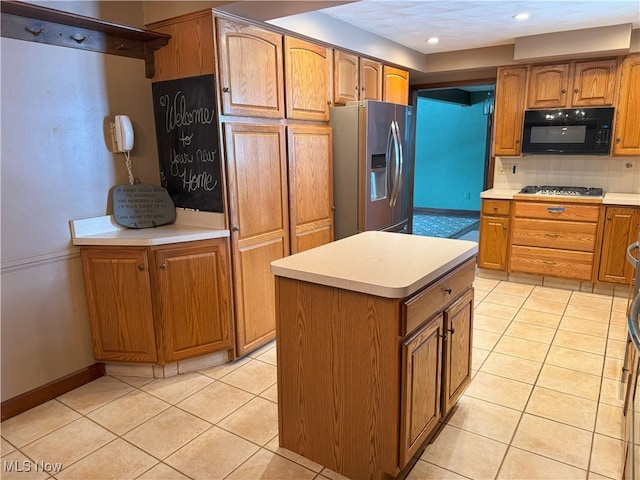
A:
(387, 159)
(399, 174)
(397, 148)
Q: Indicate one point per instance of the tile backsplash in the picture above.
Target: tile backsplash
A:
(612, 174)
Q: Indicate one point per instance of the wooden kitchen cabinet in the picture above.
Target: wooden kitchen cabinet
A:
(573, 84)
(307, 80)
(370, 401)
(626, 130)
(493, 241)
(554, 239)
(395, 85)
(346, 77)
(310, 186)
(251, 70)
(259, 220)
(621, 227)
(158, 304)
(509, 110)
(370, 80)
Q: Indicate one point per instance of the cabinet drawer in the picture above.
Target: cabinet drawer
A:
(557, 211)
(551, 262)
(437, 296)
(550, 233)
(496, 207)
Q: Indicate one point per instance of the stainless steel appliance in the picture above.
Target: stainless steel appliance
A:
(584, 131)
(372, 167)
(564, 191)
(630, 374)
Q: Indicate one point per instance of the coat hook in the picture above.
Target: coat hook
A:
(37, 33)
(78, 38)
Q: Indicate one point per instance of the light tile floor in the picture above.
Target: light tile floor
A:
(545, 402)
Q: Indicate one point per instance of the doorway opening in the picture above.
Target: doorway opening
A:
(452, 159)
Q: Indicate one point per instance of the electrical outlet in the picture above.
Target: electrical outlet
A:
(501, 170)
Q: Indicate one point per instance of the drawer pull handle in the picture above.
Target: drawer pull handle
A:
(552, 235)
(555, 209)
(549, 262)
(448, 290)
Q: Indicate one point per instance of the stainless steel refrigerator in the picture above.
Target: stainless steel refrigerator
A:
(372, 167)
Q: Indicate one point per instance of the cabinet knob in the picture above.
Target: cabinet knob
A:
(236, 228)
(608, 218)
(517, 141)
(495, 209)
(163, 266)
(448, 290)
(504, 227)
(363, 89)
(563, 91)
(141, 267)
(576, 91)
(452, 331)
(226, 89)
(618, 139)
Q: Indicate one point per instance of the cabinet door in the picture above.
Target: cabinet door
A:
(395, 85)
(594, 83)
(120, 306)
(421, 380)
(458, 326)
(251, 70)
(493, 243)
(310, 186)
(190, 51)
(509, 110)
(346, 77)
(307, 68)
(627, 133)
(621, 227)
(193, 299)
(370, 80)
(548, 85)
(258, 212)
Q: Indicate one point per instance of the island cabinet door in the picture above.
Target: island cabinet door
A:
(458, 328)
(192, 305)
(421, 377)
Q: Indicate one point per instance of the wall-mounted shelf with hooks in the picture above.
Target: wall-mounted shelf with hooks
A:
(25, 21)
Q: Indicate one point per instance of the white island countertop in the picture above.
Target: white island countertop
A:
(188, 227)
(391, 265)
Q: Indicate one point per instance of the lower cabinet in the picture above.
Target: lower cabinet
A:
(363, 388)
(494, 234)
(158, 304)
(621, 227)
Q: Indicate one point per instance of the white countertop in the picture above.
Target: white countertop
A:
(391, 265)
(188, 227)
(609, 198)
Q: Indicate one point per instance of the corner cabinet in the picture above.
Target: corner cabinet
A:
(363, 388)
(509, 110)
(626, 131)
(158, 304)
(621, 227)
(307, 80)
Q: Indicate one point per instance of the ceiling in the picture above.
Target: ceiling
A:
(466, 24)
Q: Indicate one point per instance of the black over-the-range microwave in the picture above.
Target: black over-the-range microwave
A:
(585, 131)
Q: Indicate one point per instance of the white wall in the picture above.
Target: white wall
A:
(56, 166)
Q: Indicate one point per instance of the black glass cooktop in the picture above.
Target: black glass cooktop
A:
(567, 191)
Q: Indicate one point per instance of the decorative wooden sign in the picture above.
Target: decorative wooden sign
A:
(142, 205)
(188, 148)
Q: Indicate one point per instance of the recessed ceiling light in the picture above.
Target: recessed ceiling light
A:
(521, 16)
(433, 40)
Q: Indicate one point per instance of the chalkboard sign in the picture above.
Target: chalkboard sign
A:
(188, 147)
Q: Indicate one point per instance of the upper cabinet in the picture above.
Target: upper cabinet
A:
(396, 85)
(370, 79)
(509, 110)
(307, 68)
(346, 77)
(355, 78)
(251, 70)
(626, 131)
(574, 84)
(190, 51)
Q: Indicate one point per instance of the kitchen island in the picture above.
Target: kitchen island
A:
(374, 348)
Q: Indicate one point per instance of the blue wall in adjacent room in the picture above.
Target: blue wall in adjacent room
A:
(449, 154)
